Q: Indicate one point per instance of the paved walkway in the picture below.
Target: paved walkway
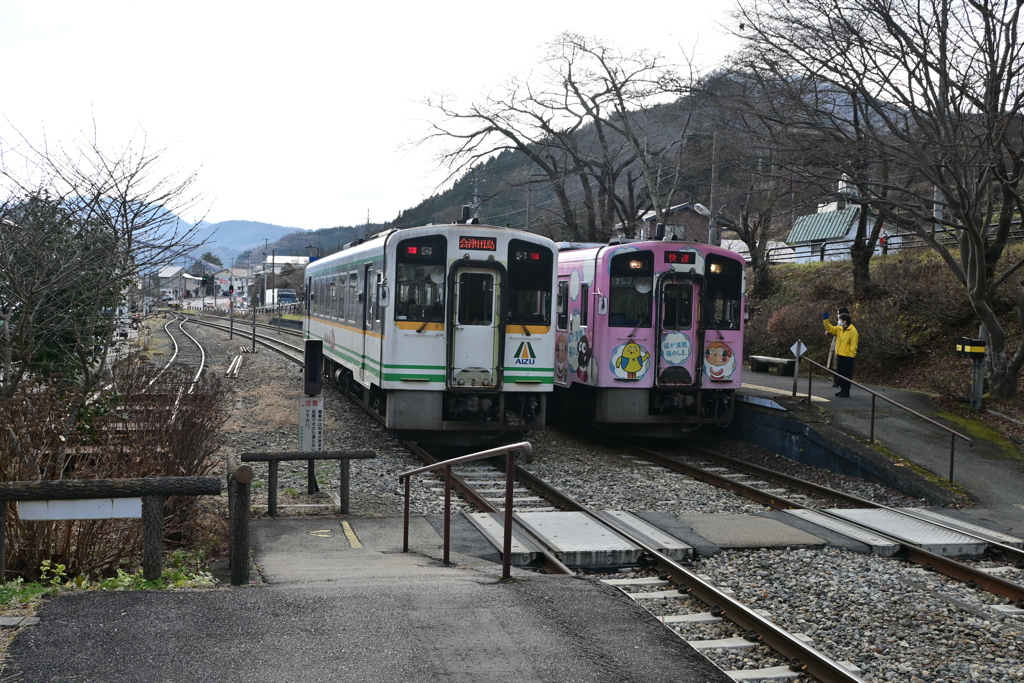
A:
(991, 471)
(345, 604)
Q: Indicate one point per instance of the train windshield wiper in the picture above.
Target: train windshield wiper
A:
(513, 314)
(640, 322)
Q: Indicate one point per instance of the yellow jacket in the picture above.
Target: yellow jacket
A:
(846, 338)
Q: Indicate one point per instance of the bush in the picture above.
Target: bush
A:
(143, 424)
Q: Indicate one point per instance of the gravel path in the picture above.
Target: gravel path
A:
(893, 621)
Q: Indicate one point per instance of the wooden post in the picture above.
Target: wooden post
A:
(272, 487)
(343, 482)
(152, 537)
(3, 540)
(239, 525)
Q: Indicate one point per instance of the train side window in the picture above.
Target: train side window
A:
(332, 294)
(632, 279)
(563, 305)
(338, 309)
(353, 280)
(723, 291)
(584, 304)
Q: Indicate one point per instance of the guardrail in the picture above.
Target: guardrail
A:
(874, 394)
(506, 553)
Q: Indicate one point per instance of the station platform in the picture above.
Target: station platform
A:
(991, 471)
(341, 602)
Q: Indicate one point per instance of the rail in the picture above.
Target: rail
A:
(506, 554)
(874, 394)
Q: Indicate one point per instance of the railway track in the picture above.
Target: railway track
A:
(764, 488)
(186, 349)
(277, 344)
(658, 588)
(677, 581)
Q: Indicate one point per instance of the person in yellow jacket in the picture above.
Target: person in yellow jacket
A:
(846, 349)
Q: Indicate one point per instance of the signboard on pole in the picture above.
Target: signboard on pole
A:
(311, 423)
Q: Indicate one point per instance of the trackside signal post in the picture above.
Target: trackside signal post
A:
(975, 349)
(311, 407)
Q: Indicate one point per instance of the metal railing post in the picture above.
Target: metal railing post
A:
(952, 447)
(871, 436)
(405, 531)
(448, 476)
(447, 513)
(506, 553)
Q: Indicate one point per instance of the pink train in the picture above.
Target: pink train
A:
(649, 335)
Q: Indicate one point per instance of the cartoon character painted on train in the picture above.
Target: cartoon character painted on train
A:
(632, 359)
(561, 355)
(584, 353)
(719, 361)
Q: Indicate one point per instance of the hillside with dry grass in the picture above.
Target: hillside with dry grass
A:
(908, 327)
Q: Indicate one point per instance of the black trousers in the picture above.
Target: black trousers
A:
(844, 366)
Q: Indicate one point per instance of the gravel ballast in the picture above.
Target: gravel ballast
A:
(892, 620)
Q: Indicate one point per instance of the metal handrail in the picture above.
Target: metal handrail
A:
(506, 554)
(871, 438)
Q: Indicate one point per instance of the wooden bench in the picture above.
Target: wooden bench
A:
(273, 459)
(785, 366)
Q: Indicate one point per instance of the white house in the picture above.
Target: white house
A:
(826, 235)
(276, 263)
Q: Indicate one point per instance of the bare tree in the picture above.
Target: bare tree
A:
(592, 120)
(79, 226)
(924, 101)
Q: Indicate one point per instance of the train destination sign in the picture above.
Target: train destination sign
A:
(681, 257)
(478, 243)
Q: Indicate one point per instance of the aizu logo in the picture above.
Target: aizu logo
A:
(525, 354)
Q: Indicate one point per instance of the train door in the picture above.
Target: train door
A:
(678, 354)
(368, 299)
(475, 323)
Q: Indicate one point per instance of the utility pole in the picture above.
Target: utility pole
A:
(476, 195)
(713, 238)
(529, 203)
(263, 299)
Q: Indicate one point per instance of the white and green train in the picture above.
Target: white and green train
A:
(445, 330)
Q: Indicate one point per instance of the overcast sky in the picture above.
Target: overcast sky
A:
(299, 113)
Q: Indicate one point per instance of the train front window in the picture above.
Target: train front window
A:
(632, 279)
(677, 306)
(724, 292)
(529, 283)
(420, 277)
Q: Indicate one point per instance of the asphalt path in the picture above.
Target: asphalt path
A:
(351, 606)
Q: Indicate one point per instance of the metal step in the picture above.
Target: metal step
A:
(928, 536)
(879, 546)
